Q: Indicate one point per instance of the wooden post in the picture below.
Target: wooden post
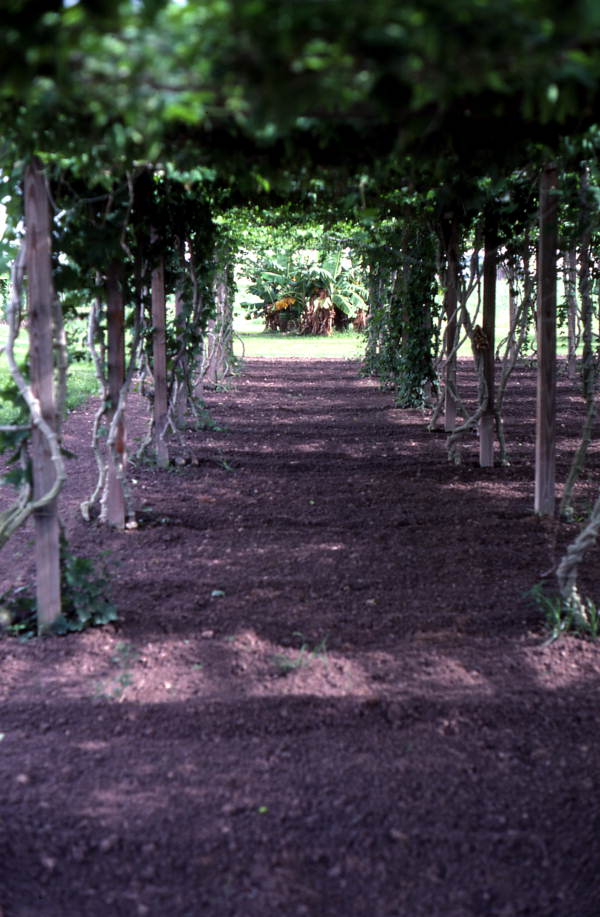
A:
(227, 320)
(40, 293)
(587, 315)
(486, 423)
(585, 287)
(159, 368)
(570, 280)
(211, 343)
(513, 306)
(182, 395)
(115, 507)
(450, 307)
(545, 446)
(217, 333)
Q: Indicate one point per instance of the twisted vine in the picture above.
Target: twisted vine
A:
(16, 515)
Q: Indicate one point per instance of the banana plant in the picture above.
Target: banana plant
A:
(288, 284)
(341, 282)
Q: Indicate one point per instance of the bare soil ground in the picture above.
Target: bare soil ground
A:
(326, 695)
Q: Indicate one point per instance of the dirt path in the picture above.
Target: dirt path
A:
(327, 696)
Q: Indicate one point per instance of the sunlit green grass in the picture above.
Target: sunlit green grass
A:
(503, 320)
(81, 380)
(255, 343)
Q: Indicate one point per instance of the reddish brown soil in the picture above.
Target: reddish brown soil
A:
(327, 695)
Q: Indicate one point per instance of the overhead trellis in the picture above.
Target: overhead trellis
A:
(238, 102)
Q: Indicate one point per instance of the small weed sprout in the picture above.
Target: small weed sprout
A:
(124, 658)
(576, 614)
(304, 657)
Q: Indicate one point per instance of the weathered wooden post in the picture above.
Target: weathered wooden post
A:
(545, 445)
(40, 292)
(218, 333)
(486, 423)
(570, 280)
(159, 359)
(451, 235)
(115, 508)
(587, 315)
(181, 398)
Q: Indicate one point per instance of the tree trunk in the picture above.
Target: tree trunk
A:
(41, 362)
(486, 424)
(117, 457)
(159, 369)
(545, 448)
(450, 308)
(570, 274)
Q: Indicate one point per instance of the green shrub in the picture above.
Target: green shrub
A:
(84, 600)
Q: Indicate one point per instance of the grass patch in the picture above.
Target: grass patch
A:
(260, 344)
(81, 384)
(81, 378)
(288, 663)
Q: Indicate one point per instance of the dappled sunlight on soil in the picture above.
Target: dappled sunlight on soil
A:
(327, 694)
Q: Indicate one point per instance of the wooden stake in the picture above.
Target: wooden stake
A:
(182, 395)
(40, 292)
(115, 498)
(159, 369)
(570, 275)
(486, 423)
(513, 307)
(450, 306)
(587, 315)
(545, 447)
